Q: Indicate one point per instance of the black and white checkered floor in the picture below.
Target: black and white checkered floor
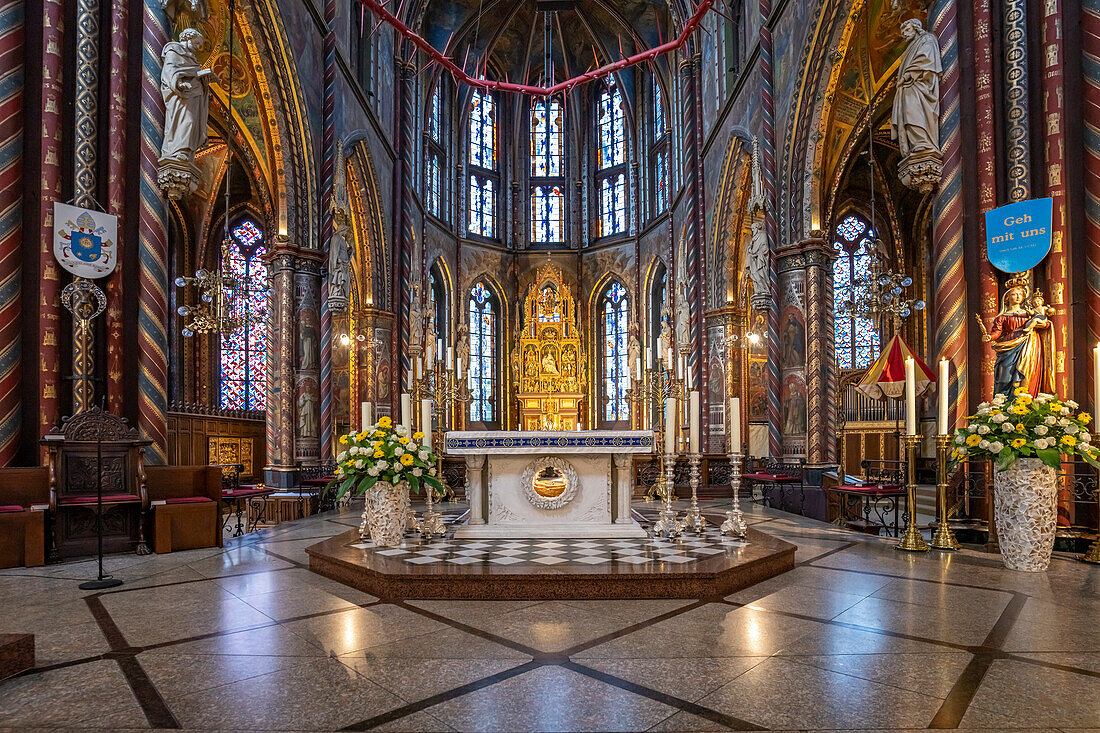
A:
(688, 548)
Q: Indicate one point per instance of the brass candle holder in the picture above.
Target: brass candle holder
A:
(694, 519)
(944, 538)
(660, 384)
(667, 525)
(735, 520)
(911, 539)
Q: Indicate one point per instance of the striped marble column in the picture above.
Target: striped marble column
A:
(116, 192)
(49, 165)
(689, 91)
(407, 79)
(85, 158)
(767, 156)
(152, 244)
(1017, 108)
(328, 158)
(1057, 271)
(947, 228)
(12, 51)
(987, 163)
(1090, 43)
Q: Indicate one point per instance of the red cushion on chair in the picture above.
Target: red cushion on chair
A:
(187, 500)
(785, 477)
(760, 476)
(91, 499)
(10, 508)
(244, 491)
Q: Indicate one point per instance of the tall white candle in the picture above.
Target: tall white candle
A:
(688, 373)
(680, 368)
(1096, 379)
(648, 359)
(944, 388)
(426, 421)
(670, 425)
(735, 423)
(910, 396)
(407, 410)
(365, 415)
(450, 357)
(670, 359)
(439, 349)
(458, 368)
(419, 367)
(638, 369)
(693, 416)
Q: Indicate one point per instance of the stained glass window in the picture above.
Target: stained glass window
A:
(612, 205)
(661, 181)
(483, 131)
(612, 129)
(432, 184)
(547, 150)
(435, 116)
(483, 354)
(616, 369)
(548, 214)
(658, 111)
(482, 209)
(244, 351)
(857, 343)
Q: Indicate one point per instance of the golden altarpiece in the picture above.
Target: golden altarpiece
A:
(548, 362)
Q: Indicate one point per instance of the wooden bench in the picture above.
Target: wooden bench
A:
(186, 504)
(24, 501)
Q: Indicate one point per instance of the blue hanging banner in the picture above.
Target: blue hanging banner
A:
(1018, 235)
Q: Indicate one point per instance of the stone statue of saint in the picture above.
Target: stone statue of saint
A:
(664, 342)
(683, 307)
(462, 345)
(915, 119)
(759, 259)
(307, 414)
(172, 8)
(633, 349)
(185, 87)
(431, 333)
(339, 272)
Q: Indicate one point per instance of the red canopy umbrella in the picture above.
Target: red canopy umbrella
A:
(886, 377)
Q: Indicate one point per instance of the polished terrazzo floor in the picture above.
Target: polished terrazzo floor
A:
(856, 637)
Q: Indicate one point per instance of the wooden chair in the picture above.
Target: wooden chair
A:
(185, 501)
(24, 498)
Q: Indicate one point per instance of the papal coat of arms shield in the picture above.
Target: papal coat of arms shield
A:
(85, 241)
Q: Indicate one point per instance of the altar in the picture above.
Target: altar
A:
(551, 484)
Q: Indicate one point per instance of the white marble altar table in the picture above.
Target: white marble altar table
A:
(598, 473)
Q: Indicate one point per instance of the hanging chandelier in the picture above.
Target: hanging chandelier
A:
(225, 300)
(877, 296)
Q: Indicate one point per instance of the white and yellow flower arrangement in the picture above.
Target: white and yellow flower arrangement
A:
(1043, 427)
(384, 452)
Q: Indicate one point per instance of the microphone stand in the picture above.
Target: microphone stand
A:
(102, 581)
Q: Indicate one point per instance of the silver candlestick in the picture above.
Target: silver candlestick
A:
(694, 519)
(667, 525)
(735, 520)
(432, 522)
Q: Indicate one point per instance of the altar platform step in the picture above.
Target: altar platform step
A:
(691, 566)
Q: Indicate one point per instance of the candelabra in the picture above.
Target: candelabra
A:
(694, 519)
(877, 297)
(438, 385)
(944, 538)
(911, 540)
(660, 384)
(667, 525)
(224, 301)
(735, 520)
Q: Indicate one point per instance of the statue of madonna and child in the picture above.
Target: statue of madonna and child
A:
(1022, 339)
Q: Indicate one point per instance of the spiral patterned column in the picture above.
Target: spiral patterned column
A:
(689, 121)
(947, 228)
(1017, 111)
(152, 244)
(12, 50)
(767, 158)
(116, 192)
(987, 178)
(407, 71)
(1090, 43)
(86, 143)
(49, 166)
(328, 167)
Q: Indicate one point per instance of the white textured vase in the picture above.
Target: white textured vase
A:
(1025, 509)
(385, 510)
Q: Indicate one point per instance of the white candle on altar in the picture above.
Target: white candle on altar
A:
(680, 368)
(910, 396)
(426, 422)
(458, 368)
(1096, 379)
(735, 424)
(419, 367)
(407, 410)
(439, 349)
(648, 359)
(693, 426)
(944, 391)
(670, 360)
(450, 357)
(638, 369)
(670, 425)
(365, 415)
(689, 374)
